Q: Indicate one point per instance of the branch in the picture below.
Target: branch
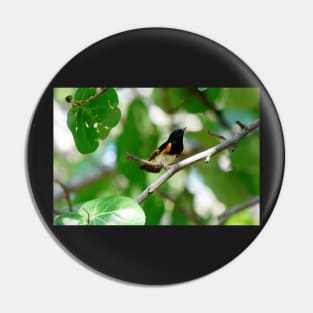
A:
(66, 194)
(242, 126)
(220, 137)
(228, 213)
(204, 155)
(79, 102)
(156, 166)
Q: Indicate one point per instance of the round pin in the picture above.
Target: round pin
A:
(155, 156)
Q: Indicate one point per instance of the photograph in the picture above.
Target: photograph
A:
(157, 156)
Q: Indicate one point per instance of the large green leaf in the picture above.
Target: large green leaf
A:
(70, 219)
(92, 121)
(115, 210)
(84, 93)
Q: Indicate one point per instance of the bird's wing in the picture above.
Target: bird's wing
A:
(155, 153)
(164, 148)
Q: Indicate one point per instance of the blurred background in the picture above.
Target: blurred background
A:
(198, 195)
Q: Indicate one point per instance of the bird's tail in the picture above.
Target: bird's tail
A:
(150, 169)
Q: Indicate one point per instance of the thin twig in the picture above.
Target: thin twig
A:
(88, 215)
(157, 166)
(204, 155)
(66, 194)
(80, 102)
(220, 137)
(181, 210)
(242, 126)
(228, 213)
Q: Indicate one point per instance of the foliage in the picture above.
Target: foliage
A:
(92, 121)
(134, 120)
(115, 210)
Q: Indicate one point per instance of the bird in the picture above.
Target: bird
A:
(167, 152)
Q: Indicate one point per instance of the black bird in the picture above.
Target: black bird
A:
(168, 151)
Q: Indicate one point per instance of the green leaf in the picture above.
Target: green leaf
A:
(103, 131)
(115, 210)
(84, 93)
(92, 121)
(69, 219)
(85, 136)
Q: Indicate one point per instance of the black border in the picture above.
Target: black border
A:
(154, 57)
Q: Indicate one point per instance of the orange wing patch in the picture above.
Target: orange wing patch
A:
(168, 148)
(155, 153)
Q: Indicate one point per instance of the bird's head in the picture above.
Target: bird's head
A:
(177, 133)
